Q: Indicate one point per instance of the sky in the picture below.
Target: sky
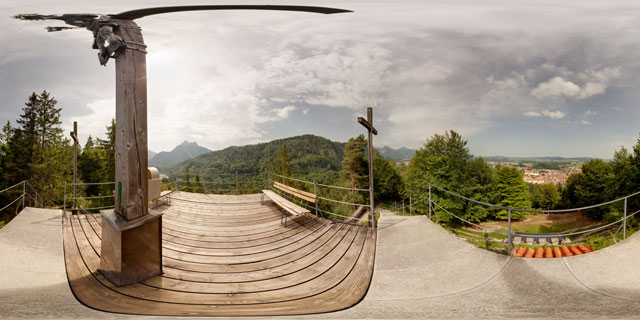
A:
(515, 78)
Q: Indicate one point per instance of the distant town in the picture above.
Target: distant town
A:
(541, 175)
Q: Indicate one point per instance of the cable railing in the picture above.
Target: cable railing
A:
(255, 182)
(23, 193)
(510, 234)
(222, 183)
(89, 196)
(323, 201)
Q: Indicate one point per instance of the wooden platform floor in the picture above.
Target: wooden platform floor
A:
(230, 256)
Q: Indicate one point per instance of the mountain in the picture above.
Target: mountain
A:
(183, 151)
(150, 154)
(309, 156)
(398, 155)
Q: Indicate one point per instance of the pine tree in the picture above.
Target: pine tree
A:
(355, 169)
(281, 164)
(109, 147)
(37, 150)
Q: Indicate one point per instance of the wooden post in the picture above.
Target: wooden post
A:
(131, 124)
(131, 248)
(368, 123)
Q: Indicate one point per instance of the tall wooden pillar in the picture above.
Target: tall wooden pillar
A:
(131, 233)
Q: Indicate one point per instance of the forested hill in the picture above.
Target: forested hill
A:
(308, 154)
(398, 155)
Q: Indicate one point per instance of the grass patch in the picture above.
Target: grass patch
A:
(482, 233)
(544, 229)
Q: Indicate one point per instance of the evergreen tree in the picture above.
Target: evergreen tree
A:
(512, 192)
(355, 169)
(198, 186)
(187, 181)
(5, 137)
(281, 164)
(37, 150)
(6, 134)
(109, 147)
(91, 164)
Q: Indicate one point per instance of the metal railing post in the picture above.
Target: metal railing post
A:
(64, 203)
(410, 212)
(24, 191)
(237, 191)
(429, 201)
(509, 232)
(624, 222)
(403, 207)
(315, 191)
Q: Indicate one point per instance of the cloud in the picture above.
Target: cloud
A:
(532, 114)
(556, 87)
(95, 122)
(590, 113)
(586, 122)
(553, 114)
(595, 80)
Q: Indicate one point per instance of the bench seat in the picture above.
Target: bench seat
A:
(285, 204)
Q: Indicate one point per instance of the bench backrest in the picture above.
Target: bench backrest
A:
(307, 196)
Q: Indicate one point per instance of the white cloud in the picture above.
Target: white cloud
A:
(586, 122)
(532, 114)
(95, 122)
(553, 114)
(590, 113)
(556, 87)
(595, 81)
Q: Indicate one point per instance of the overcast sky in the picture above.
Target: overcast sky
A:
(515, 78)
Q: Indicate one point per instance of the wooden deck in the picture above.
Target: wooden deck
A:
(230, 256)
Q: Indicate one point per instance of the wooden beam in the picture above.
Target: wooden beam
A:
(131, 124)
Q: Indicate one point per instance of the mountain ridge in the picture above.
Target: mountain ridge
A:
(183, 151)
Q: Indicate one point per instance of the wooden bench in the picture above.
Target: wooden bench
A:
(288, 206)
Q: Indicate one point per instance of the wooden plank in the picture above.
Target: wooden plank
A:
(254, 248)
(264, 271)
(280, 284)
(332, 271)
(285, 204)
(310, 197)
(324, 240)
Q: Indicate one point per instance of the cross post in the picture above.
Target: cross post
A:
(368, 123)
